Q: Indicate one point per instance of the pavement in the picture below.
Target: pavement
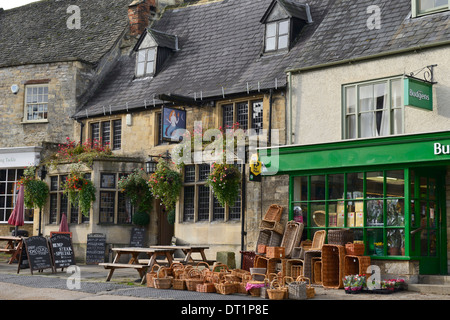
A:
(88, 282)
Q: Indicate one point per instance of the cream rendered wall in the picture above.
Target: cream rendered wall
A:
(316, 94)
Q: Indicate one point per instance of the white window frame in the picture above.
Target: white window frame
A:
(37, 103)
(277, 35)
(146, 62)
(357, 112)
(415, 5)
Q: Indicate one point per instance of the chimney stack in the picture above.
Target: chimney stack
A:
(139, 14)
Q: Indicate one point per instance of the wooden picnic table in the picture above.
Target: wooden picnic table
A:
(134, 262)
(187, 250)
(13, 246)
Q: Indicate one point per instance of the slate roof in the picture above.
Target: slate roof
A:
(344, 35)
(294, 8)
(222, 49)
(38, 32)
(221, 45)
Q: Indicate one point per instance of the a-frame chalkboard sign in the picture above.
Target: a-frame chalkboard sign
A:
(62, 250)
(37, 253)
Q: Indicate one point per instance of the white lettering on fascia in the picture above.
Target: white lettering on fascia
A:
(441, 149)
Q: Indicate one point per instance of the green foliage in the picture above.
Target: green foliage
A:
(166, 184)
(141, 219)
(35, 191)
(79, 190)
(225, 180)
(171, 216)
(135, 188)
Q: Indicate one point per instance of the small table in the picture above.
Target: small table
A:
(13, 246)
(133, 262)
(188, 251)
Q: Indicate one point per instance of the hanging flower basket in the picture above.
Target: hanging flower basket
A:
(225, 181)
(165, 184)
(135, 188)
(35, 191)
(80, 191)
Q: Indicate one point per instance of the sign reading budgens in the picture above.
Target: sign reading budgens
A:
(441, 149)
(418, 94)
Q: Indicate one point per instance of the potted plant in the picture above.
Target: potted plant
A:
(394, 240)
(165, 184)
(141, 218)
(378, 248)
(225, 180)
(79, 190)
(135, 188)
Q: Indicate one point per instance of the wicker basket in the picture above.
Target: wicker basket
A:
(319, 218)
(356, 264)
(193, 277)
(179, 284)
(248, 259)
(310, 291)
(272, 226)
(275, 252)
(296, 290)
(178, 270)
(354, 249)
(226, 287)
(340, 236)
(317, 267)
(151, 275)
(333, 266)
(261, 248)
(277, 291)
(241, 273)
(273, 213)
(307, 262)
(206, 287)
(164, 281)
(292, 236)
(296, 270)
(268, 263)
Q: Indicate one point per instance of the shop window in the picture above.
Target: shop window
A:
(59, 203)
(248, 114)
(373, 109)
(422, 7)
(8, 194)
(108, 132)
(198, 201)
(371, 203)
(36, 103)
(114, 207)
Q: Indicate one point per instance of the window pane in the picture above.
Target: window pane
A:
(151, 55)
(204, 170)
(188, 203)
(107, 207)
(300, 189)
(283, 42)
(336, 186)
(141, 55)
(318, 214)
(125, 210)
(283, 28)
(318, 188)
(108, 181)
(117, 135)
(395, 183)
(189, 173)
(150, 67)
(106, 133)
(257, 116)
(235, 210)
(95, 132)
(53, 208)
(203, 203)
(271, 29)
(355, 185)
(140, 69)
(375, 212)
(228, 116)
(218, 210)
(270, 44)
(395, 212)
(396, 240)
(242, 115)
(374, 184)
(351, 127)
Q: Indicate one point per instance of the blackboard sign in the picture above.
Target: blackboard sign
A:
(23, 258)
(62, 250)
(96, 247)
(137, 237)
(38, 253)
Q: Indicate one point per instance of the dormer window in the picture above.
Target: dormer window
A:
(423, 7)
(152, 50)
(283, 20)
(277, 35)
(145, 64)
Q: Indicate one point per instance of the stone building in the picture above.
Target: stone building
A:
(220, 62)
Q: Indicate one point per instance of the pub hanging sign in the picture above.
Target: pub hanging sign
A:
(418, 93)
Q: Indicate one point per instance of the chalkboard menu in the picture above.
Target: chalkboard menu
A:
(62, 250)
(96, 247)
(137, 237)
(38, 253)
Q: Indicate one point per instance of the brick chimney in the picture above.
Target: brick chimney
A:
(139, 14)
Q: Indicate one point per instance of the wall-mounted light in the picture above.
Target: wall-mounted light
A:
(152, 162)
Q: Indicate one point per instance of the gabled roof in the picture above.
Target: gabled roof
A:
(294, 8)
(162, 39)
(221, 55)
(38, 32)
(344, 35)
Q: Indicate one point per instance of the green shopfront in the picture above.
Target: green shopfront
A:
(391, 191)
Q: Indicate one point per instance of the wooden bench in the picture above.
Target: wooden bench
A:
(112, 266)
(10, 250)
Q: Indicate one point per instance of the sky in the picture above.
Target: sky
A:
(8, 4)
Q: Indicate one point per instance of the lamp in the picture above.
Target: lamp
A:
(150, 165)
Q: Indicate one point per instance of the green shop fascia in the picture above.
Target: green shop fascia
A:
(389, 190)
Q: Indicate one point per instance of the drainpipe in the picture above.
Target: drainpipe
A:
(289, 126)
(269, 139)
(243, 209)
(81, 130)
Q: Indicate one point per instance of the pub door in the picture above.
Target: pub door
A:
(165, 229)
